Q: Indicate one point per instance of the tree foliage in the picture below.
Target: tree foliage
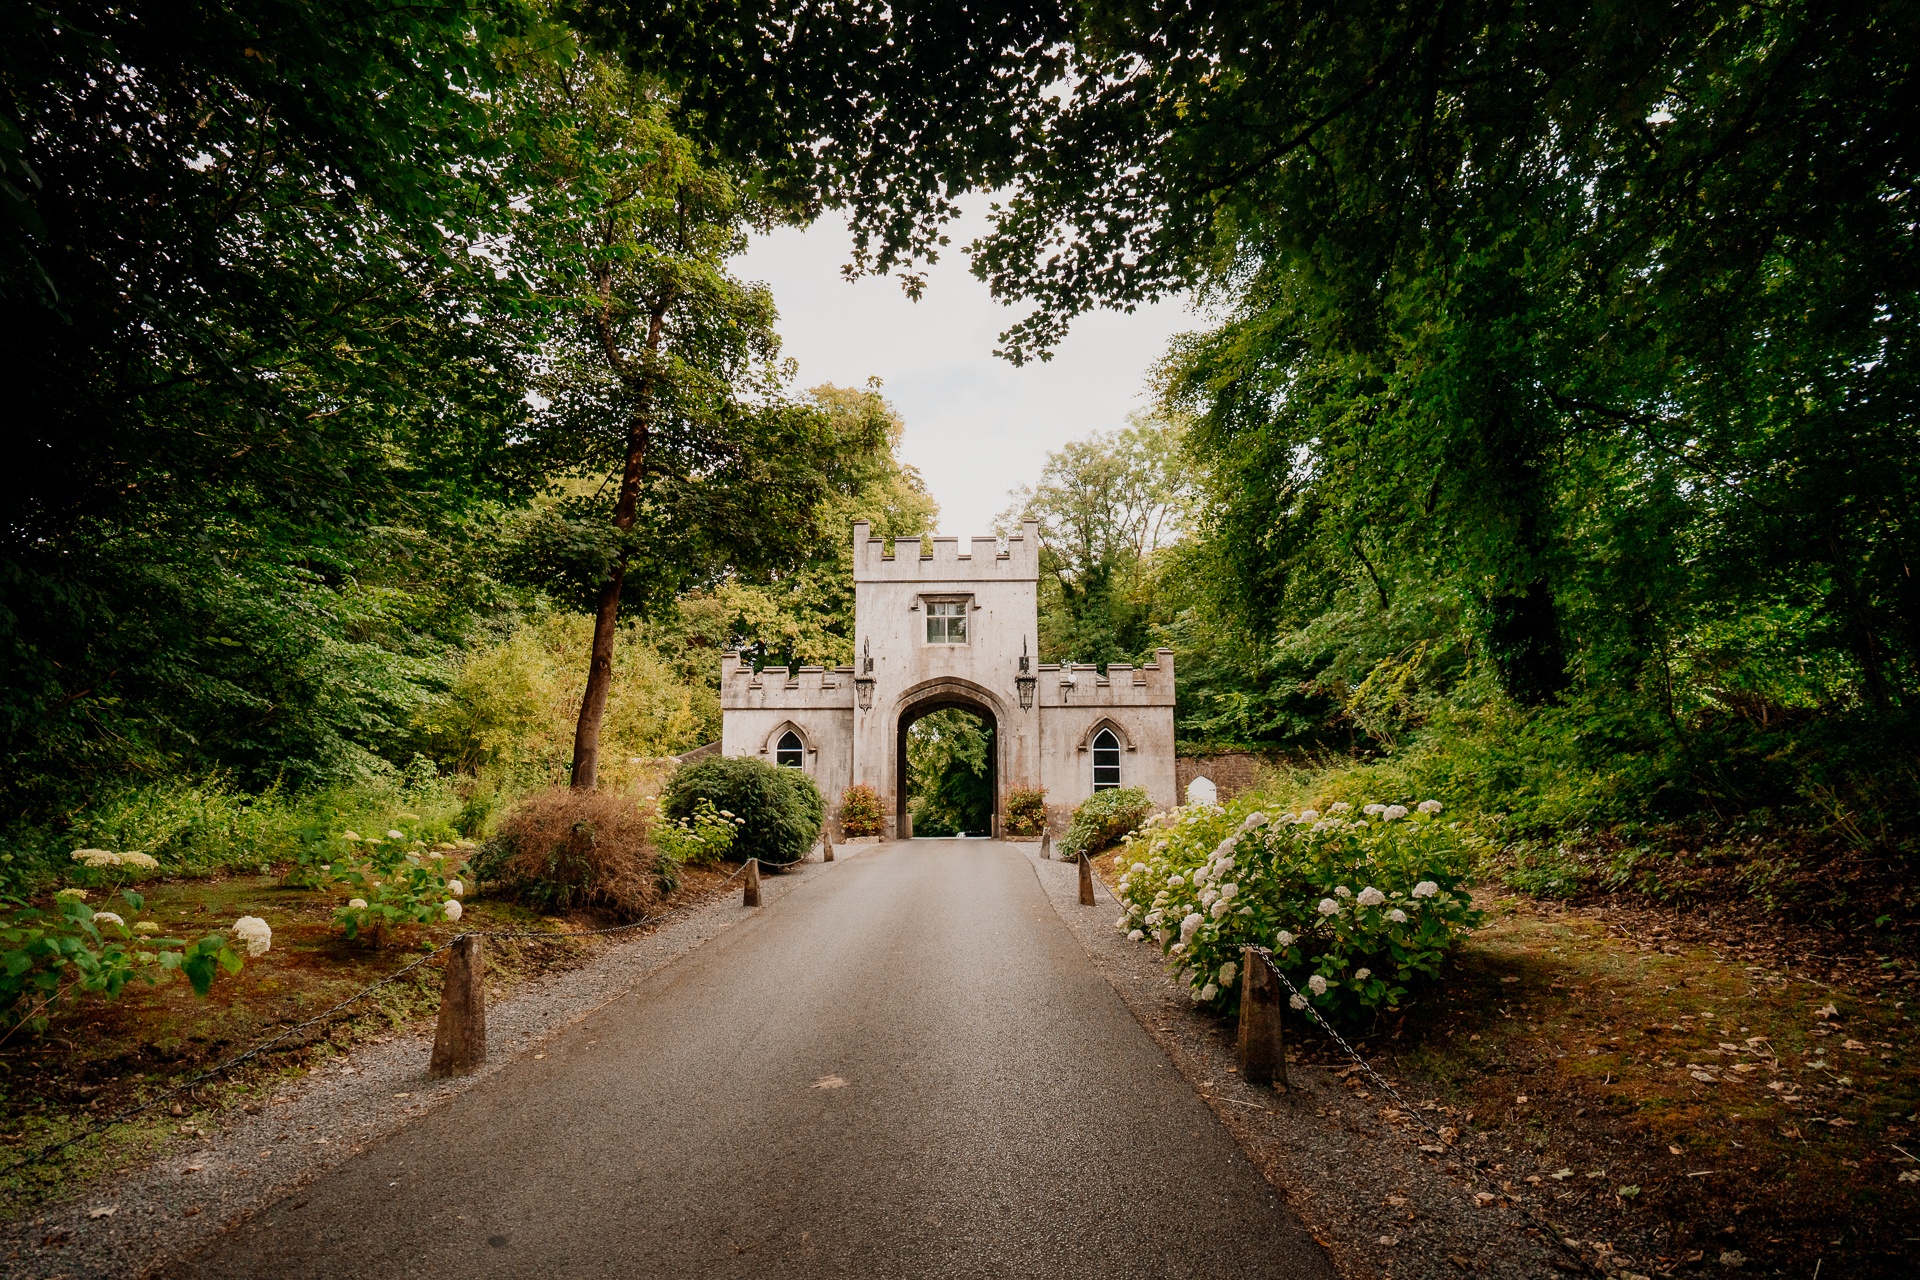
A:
(251, 386)
(1107, 506)
(950, 774)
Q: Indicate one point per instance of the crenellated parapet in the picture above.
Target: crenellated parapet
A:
(786, 688)
(944, 559)
(1080, 684)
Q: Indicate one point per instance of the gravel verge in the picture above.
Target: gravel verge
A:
(1385, 1199)
(205, 1182)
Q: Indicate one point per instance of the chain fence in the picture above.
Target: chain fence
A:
(186, 1087)
(1477, 1172)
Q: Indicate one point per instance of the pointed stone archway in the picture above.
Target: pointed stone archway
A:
(909, 718)
(940, 695)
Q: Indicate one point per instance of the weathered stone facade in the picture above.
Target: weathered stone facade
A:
(995, 593)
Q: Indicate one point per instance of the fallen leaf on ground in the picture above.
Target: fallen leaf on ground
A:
(829, 1082)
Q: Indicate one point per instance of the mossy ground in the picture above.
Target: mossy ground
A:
(100, 1057)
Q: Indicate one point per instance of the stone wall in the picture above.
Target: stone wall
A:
(1232, 773)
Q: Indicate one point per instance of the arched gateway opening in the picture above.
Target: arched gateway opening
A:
(982, 820)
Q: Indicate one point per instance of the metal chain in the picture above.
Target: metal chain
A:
(1471, 1163)
(124, 1115)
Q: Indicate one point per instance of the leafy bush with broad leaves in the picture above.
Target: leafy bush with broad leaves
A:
(781, 809)
(48, 956)
(705, 836)
(394, 881)
(860, 812)
(1027, 811)
(1102, 819)
(1355, 905)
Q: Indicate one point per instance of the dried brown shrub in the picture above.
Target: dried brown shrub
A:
(563, 848)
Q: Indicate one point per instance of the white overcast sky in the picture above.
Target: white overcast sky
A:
(976, 425)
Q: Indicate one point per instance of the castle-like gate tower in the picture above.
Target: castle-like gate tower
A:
(936, 628)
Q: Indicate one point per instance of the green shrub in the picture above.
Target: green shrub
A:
(704, 837)
(781, 809)
(1027, 811)
(562, 848)
(48, 956)
(860, 813)
(1352, 904)
(1102, 819)
(394, 881)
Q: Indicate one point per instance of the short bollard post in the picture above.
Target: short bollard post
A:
(752, 896)
(460, 1043)
(829, 849)
(1086, 879)
(1262, 1049)
(1046, 845)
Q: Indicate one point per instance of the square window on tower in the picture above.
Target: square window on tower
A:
(946, 622)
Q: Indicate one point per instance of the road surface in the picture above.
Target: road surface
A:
(907, 1068)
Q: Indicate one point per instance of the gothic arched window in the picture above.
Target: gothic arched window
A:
(790, 754)
(1106, 761)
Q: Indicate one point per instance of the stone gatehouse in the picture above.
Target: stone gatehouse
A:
(937, 627)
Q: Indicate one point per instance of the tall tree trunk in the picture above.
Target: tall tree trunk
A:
(593, 704)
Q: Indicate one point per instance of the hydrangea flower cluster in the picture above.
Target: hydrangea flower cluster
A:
(255, 932)
(1354, 905)
(102, 858)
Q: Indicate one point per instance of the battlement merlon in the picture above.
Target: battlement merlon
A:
(795, 688)
(940, 559)
(1080, 684)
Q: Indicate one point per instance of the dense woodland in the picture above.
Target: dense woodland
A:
(381, 391)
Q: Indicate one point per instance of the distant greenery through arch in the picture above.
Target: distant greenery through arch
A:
(950, 774)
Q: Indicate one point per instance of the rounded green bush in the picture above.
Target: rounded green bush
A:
(1101, 820)
(782, 808)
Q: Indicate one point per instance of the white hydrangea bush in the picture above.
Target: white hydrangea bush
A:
(1353, 904)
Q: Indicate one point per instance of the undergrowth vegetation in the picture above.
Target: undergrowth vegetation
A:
(562, 848)
(1356, 905)
(1101, 819)
(780, 810)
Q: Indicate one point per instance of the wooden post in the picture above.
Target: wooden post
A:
(1046, 845)
(1086, 879)
(1263, 1048)
(827, 841)
(752, 896)
(460, 1042)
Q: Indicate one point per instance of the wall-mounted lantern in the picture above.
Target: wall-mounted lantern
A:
(1026, 680)
(863, 683)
